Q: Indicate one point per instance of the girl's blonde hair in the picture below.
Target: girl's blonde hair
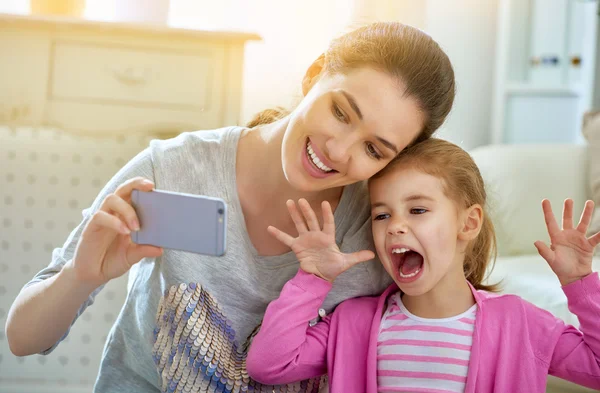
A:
(463, 184)
(401, 51)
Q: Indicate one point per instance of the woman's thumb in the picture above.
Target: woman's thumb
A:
(138, 252)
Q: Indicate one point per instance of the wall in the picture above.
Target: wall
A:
(466, 29)
(294, 34)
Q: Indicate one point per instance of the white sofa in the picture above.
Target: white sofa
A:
(518, 177)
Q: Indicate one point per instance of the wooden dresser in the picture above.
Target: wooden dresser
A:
(90, 77)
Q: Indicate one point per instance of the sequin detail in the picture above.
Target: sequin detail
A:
(195, 348)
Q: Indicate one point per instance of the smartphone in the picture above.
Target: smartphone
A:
(179, 221)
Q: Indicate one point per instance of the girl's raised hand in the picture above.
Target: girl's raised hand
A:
(315, 247)
(570, 252)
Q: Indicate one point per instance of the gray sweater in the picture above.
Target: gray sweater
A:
(188, 319)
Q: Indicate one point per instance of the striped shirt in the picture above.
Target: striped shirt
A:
(423, 355)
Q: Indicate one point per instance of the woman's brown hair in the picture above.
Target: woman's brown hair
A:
(403, 52)
(463, 184)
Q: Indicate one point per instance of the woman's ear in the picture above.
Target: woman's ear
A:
(312, 74)
(472, 223)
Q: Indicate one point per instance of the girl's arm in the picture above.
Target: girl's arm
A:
(287, 349)
(576, 355)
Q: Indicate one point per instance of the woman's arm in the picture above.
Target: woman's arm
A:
(287, 349)
(44, 311)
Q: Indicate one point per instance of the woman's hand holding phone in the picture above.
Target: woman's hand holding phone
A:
(105, 250)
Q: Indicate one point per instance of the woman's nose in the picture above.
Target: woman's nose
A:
(339, 147)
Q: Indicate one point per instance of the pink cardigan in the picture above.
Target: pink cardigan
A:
(515, 344)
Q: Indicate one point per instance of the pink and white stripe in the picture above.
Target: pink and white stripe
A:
(423, 355)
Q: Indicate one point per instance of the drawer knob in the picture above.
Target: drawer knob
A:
(131, 76)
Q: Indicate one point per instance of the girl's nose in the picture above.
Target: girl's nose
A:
(398, 227)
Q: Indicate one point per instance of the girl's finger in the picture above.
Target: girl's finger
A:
(309, 215)
(551, 224)
(586, 217)
(545, 252)
(567, 220)
(281, 236)
(358, 257)
(115, 204)
(594, 239)
(328, 219)
(296, 217)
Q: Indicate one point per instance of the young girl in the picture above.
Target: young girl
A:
(437, 328)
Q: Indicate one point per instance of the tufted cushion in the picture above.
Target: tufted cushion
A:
(518, 177)
(591, 131)
(47, 178)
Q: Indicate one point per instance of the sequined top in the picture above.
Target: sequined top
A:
(188, 318)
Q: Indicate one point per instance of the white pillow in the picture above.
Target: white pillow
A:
(591, 131)
(518, 177)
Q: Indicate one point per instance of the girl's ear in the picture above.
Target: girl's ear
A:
(471, 223)
(312, 74)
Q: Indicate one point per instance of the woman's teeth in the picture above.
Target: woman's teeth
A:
(315, 159)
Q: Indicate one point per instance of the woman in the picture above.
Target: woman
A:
(188, 318)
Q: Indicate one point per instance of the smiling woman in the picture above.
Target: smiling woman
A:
(188, 319)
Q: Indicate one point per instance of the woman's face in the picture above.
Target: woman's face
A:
(347, 128)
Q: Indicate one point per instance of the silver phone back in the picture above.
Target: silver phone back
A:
(179, 221)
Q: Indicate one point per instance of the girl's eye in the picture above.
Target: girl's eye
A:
(372, 151)
(380, 217)
(337, 112)
(418, 211)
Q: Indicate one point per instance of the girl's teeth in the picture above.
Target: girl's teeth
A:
(400, 250)
(411, 274)
(316, 160)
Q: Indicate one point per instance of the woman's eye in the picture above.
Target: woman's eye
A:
(372, 151)
(380, 217)
(418, 211)
(337, 112)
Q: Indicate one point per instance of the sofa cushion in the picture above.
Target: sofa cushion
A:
(591, 131)
(518, 177)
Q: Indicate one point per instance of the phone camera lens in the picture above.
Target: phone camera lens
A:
(220, 211)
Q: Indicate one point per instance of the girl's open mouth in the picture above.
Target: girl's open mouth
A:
(408, 263)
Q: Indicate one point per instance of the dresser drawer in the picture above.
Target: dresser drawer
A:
(134, 76)
(112, 88)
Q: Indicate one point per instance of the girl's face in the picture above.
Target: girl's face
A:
(347, 128)
(417, 230)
